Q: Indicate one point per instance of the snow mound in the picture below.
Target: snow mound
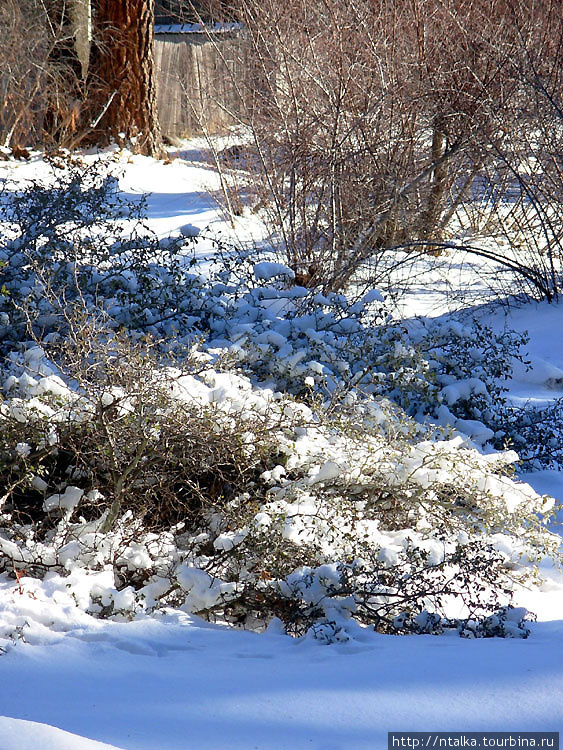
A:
(17, 733)
(266, 270)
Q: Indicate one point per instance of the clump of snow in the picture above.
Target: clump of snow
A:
(266, 270)
(68, 500)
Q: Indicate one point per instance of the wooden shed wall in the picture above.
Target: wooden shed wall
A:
(196, 81)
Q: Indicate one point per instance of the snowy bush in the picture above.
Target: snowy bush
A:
(240, 447)
(78, 240)
(192, 487)
(136, 434)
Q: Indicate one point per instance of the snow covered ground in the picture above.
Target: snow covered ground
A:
(178, 683)
(187, 686)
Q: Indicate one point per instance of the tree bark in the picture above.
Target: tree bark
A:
(80, 12)
(430, 219)
(64, 92)
(121, 83)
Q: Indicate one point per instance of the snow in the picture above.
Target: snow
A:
(463, 389)
(68, 500)
(196, 28)
(183, 685)
(17, 733)
(474, 429)
(266, 270)
(175, 682)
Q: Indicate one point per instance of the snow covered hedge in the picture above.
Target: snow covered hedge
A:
(242, 448)
(77, 239)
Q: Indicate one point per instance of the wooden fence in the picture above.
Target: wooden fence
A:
(198, 74)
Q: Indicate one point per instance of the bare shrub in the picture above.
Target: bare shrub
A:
(373, 125)
(526, 177)
(38, 85)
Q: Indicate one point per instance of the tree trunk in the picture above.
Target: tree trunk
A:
(64, 90)
(80, 12)
(121, 85)
(430, 220)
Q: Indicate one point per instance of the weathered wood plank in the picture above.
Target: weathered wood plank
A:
(197, 81)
